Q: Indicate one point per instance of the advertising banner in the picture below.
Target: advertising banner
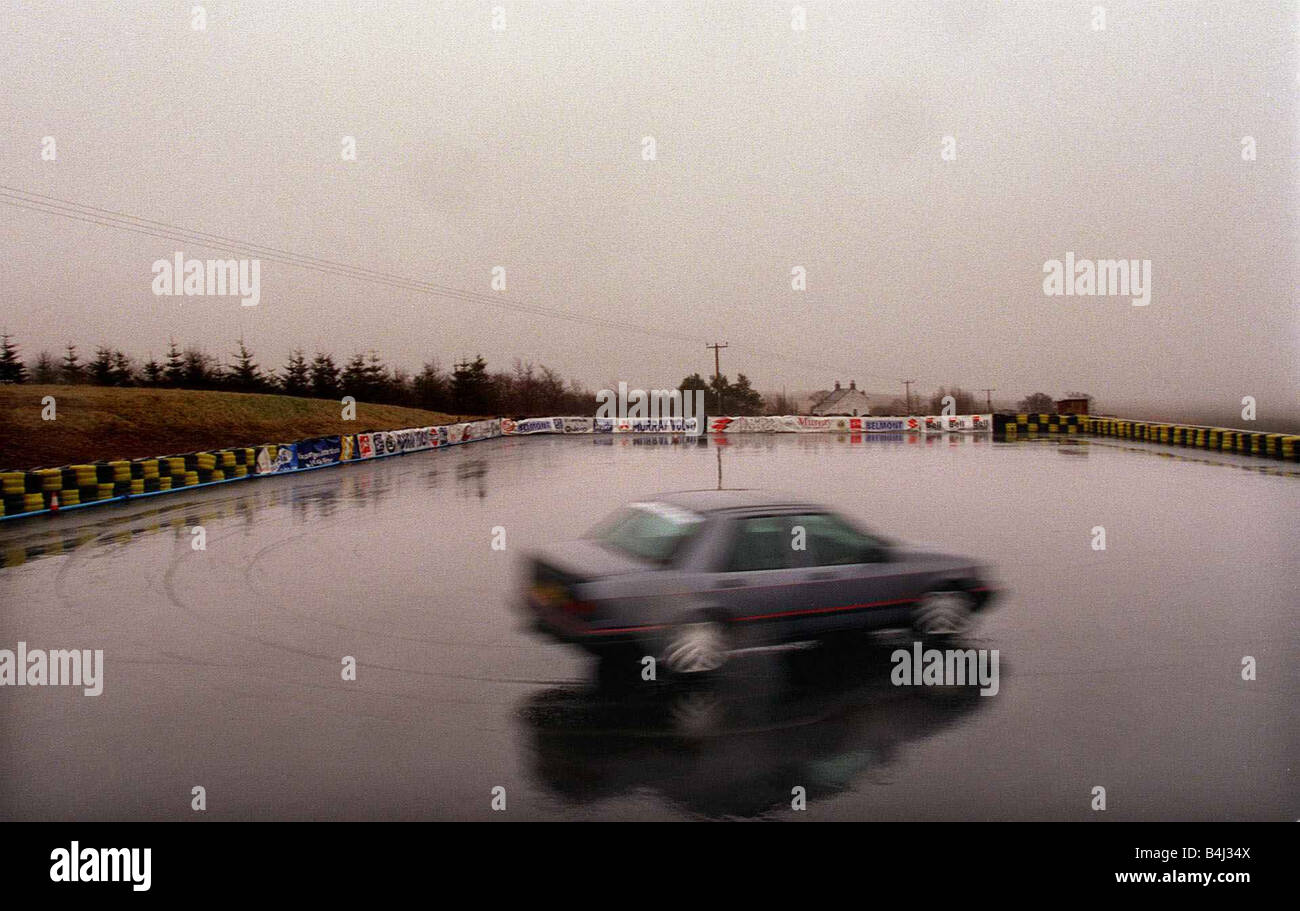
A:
(365, 446)
(576, 425)
(412, 439)
(533, 425)
(347, 447)
(318, 451)
(655, 425)
(878, 425)
(814, 424)
(284, 459)
(385, 443)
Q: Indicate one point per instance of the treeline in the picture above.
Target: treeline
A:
(527, 390)
(470, 388)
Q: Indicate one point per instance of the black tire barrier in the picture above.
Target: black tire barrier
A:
(1222, 439)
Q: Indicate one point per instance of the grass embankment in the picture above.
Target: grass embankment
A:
(94, 423)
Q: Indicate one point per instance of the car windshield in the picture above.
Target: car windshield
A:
(651, 531)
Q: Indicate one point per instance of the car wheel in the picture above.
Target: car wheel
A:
(943, 614)
(696, 648)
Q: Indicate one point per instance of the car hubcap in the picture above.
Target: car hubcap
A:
(695, 648)
(943, 614)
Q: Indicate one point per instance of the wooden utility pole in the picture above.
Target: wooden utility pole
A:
(907, 384)
(988, 397)
(717, 370)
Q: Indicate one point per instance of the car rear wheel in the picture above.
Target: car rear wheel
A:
(943, 614)
(696, 648)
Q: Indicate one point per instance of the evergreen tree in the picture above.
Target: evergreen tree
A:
(153, 372)
(432, 388)
(123, 373)
(174, 372)
(245, 375)
(354, 381)
(295, 380)
(743, 399)
(471, 388)
(73, 371)
(198, 369)
(12, 369)
(101, 368)
(378, 382)
(324, 377)
(46, 369)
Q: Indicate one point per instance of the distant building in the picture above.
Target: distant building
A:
(1071, 406)
(852, 401)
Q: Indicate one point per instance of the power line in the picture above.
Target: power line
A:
(907, 384)
(87, 214)
(717, 370)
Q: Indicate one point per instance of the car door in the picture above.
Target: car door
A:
(850, 581)
(757, 574)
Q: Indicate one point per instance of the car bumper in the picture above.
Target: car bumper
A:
(562, 627)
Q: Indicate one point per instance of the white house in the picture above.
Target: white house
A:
(851, 401)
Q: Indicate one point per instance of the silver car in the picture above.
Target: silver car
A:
(691, 577)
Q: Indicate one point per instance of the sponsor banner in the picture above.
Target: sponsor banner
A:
(982, 423)
(457, 433)
(318, 451)
(534, 425)
(763, 424)
(878, 425)
(814, 424)
(656, 425)
(412, 439)
(602, 425)
(441, 430)
(385, 443)
(347, 447)
(933, 423)
(365, 446)
(577, 425)
(285, 458)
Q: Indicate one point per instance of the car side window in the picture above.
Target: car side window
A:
(831, 541)
(760, 543)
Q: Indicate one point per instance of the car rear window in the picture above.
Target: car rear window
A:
(651, 531)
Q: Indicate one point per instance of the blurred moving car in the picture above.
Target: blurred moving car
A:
(689, 577)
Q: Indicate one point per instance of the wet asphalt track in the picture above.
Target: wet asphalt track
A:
(1119, 668)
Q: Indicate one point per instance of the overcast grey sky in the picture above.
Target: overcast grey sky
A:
(775, 148)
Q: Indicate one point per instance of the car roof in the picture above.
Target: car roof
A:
(711, 501)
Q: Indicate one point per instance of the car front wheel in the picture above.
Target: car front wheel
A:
(943, 614)
(696, 648)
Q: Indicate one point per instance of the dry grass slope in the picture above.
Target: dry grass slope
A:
(106, 423)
